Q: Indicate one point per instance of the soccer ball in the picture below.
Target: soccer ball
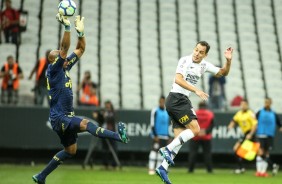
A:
(67, 8)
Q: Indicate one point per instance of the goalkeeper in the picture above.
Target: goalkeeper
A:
(59, 86)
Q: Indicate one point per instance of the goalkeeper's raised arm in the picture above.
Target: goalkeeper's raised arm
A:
(79, 26)
(65, 43)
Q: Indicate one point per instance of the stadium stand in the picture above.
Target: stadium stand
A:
(133, 77)
(130, 86)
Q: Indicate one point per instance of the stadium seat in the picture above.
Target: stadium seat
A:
(10, 49)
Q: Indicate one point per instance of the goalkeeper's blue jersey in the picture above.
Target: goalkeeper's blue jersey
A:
(59, 87)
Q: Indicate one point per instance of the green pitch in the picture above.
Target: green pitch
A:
(73, 174)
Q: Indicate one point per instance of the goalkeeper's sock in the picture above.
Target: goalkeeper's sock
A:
(54, 163)
(68, 28)
(101, 132)
(173, 155)
(183, 137)
(80, 34)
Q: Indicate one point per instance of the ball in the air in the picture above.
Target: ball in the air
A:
(67, 8)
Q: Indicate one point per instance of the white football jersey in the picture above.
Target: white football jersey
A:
(192, 73)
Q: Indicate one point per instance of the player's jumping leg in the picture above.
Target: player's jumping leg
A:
(163, 174)
(181, 137)
(54, 163)
(90, 127)
(161, 171)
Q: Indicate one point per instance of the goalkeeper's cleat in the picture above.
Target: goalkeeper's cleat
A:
(37, 180)
(167, 155)
(162, 173)
(122, 132)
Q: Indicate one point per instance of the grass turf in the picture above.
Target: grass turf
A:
(73, 174)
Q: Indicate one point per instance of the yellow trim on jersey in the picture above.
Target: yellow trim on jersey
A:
(55, 60)
(48, 85)
(245, 120)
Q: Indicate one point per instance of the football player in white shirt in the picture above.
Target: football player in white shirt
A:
(185, 124)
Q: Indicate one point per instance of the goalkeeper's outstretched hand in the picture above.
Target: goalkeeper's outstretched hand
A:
(63, 20)
(79, 25)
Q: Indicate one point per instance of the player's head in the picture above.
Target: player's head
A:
(87, 75)
(244, 105)
(8, 3)
(203, 105)
(10, 60)
(267, 103)
(109, 106)
(200, 51)
(53, 55)
(162, 102)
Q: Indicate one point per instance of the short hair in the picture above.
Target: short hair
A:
(10, 57)
(203, 105)
(111, 104)
(162, 97)
(245, 100)
(206, 44)
(268, 98)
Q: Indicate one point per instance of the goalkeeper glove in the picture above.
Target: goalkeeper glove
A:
(79, 26)
(64, 20)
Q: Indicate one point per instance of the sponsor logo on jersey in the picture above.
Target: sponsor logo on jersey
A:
(184, 119)
(192, 79)
(203, 66)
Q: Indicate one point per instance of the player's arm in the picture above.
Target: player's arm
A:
(33, 70)
(226, 67)
(278, 122)
(80, 46)
(20, 73)
(65, 43)
(210, 127)
(3, 72)
(254, 123)
(252, 132)
(231, 124)
(181, 82)
(152, 120)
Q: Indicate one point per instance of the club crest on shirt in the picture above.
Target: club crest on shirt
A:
(203, 67)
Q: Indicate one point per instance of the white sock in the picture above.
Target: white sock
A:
(259, 163)
(152, 160)
(264, 166)
(159, 159)
(183, 137)
(165, 165)
(175, 150)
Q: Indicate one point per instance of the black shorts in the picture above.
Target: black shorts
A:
(67, 129)
(266, 143)
(179, 109)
